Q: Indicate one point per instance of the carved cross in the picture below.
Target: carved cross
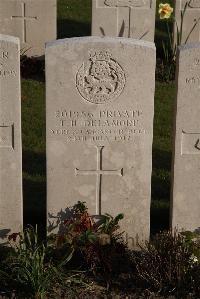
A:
(24, 18)
(99, 172)
(126, 4)
(190, 143)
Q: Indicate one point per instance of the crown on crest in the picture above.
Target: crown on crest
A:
(100, 55)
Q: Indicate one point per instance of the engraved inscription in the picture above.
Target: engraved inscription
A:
(126, 3)
(99, 172)
(196, 62)
(193, 80)
(24, 18)
(101, 78)
(6, 71)
(7, 136)
(102, 125)
(3, 54)
(190, 143)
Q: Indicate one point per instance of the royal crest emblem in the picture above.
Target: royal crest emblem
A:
(101, 78)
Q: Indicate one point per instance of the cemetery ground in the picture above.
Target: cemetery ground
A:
(158, 276)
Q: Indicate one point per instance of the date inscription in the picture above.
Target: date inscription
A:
(101, 125)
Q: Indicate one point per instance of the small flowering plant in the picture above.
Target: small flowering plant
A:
(192, 239)
(81, 229)
(95, 239)
(165, 12)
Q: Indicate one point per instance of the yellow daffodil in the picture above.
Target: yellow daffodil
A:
(165, 10)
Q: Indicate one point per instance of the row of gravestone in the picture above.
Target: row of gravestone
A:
(99, 130)
(34, 21)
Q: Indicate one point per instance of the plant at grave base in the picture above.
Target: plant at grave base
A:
(166, 263)
(166, 67)
(192, 239)
(98, 242)
(30, 270)
(23, 52)
(74, 226)
(5, 282)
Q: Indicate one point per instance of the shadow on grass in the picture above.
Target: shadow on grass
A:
(161, 36)
(34, 202)
(159, 216)
(34, 163)
(160, 186)
(69, 28)
(34, 189)
(161, 159)
(33, 68)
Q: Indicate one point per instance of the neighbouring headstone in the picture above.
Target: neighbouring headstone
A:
(11, 218)
(33, 21)
(190, 32)
(100, 105)
(185, 201)
(124, 18)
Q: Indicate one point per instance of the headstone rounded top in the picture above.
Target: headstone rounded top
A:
(96, 39)
(189, 46)
(9, 38)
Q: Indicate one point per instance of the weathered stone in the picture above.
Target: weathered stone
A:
(190, 32)
(185, 200)
(11, 218)
(124, 18)
(33, 21)
(99, 128)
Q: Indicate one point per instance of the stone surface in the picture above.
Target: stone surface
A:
(99, 128)
(186, 165)
(192, 14)
(11, 217)
(33, 21)
(124, 18)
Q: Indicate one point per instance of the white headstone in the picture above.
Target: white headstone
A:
(100, 104)
(11, 218)
(190, 33)
(33, 21)
(185, 204)
(124, 18)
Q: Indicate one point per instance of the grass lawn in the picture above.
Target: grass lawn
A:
(74, 18)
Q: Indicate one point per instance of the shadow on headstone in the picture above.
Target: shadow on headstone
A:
(56, 221)
(60, 221)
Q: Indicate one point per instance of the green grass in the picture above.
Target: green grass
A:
(74, 20)
(33, 138)
(162, 147)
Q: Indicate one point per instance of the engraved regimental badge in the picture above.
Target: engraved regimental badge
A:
(101, 78)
